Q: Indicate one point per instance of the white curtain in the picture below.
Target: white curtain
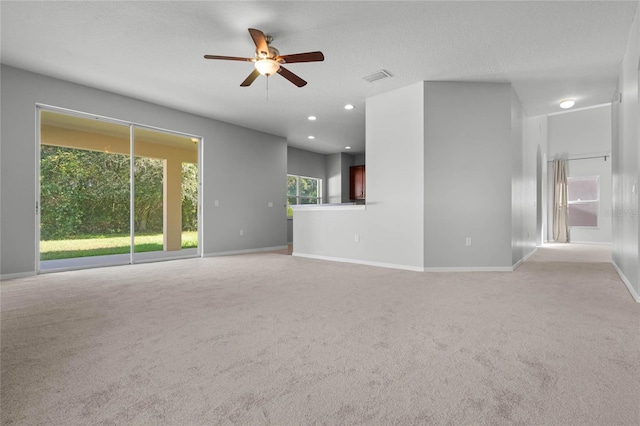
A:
(560, 211)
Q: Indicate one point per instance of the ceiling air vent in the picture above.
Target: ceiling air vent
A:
(378, 75)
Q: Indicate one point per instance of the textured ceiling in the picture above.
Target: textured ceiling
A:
(154, 51)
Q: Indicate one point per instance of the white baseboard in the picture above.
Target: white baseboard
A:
(626, 282)
(359, 262)
(524, 259)
(469, 269)
(246, 251)
(411, 268)
(595, 243)
(6, 277)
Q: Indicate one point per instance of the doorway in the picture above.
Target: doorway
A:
(113, 193)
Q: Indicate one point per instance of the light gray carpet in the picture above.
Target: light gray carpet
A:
(573, 252)
(273, 339)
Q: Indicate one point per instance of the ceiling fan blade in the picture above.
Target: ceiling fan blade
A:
(302, 57)
(260, 40)
(228, 58)
(250, 79)
(291, 77)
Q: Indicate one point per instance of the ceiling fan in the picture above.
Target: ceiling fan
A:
(268, 60)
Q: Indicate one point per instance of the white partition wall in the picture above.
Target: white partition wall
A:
(395, 176)
(390, 231)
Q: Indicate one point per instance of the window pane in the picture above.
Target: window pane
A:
(308, 187)
(582, 189)
(583, 214)
(292, 185)
(309, 201)
(291, 201)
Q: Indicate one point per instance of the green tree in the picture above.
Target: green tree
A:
(87, 193)
(82, 192)
(189, 197)
(148, 214)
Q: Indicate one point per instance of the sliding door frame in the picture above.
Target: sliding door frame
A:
(132, 127)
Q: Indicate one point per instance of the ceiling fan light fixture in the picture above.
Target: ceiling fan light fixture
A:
(267, 66)
(267, 60)
(567, 103)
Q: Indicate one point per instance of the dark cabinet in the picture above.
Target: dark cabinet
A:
(357, 183)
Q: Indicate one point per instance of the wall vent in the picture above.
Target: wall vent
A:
(378, 75)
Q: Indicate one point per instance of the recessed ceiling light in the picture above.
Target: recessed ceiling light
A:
(312, 117)
(567, 103)
(311, 137)
(348, 106)
(347, 147)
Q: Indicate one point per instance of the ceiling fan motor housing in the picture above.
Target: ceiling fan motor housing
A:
(273, 54)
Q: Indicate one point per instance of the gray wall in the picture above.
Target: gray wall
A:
(338, 177)
(577, 134)
(530, 207)
(334, 178)
(536, 147)
(242, 168)
(467, 175)
(626, 164)
(306, 163)
(310, 164)
(346, 162)
(517, 180)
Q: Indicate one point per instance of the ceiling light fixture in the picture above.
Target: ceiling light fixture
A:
(348, 106)
(311, 137)
(312, 117)
(347, 147)
(267, 66)
(567, 103)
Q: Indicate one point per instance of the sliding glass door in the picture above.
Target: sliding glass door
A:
(91, 213)
(165, 221)
(84, 192)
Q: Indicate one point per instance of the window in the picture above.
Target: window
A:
(583, 198)
(302, 190)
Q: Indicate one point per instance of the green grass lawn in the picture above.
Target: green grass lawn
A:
(100, 245)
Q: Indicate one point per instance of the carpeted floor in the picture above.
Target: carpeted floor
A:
(273, 339)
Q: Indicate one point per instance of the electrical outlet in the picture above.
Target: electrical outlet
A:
(270, 204)
(242, 232)
(468, 242)
(216, 203)
(356, 238)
